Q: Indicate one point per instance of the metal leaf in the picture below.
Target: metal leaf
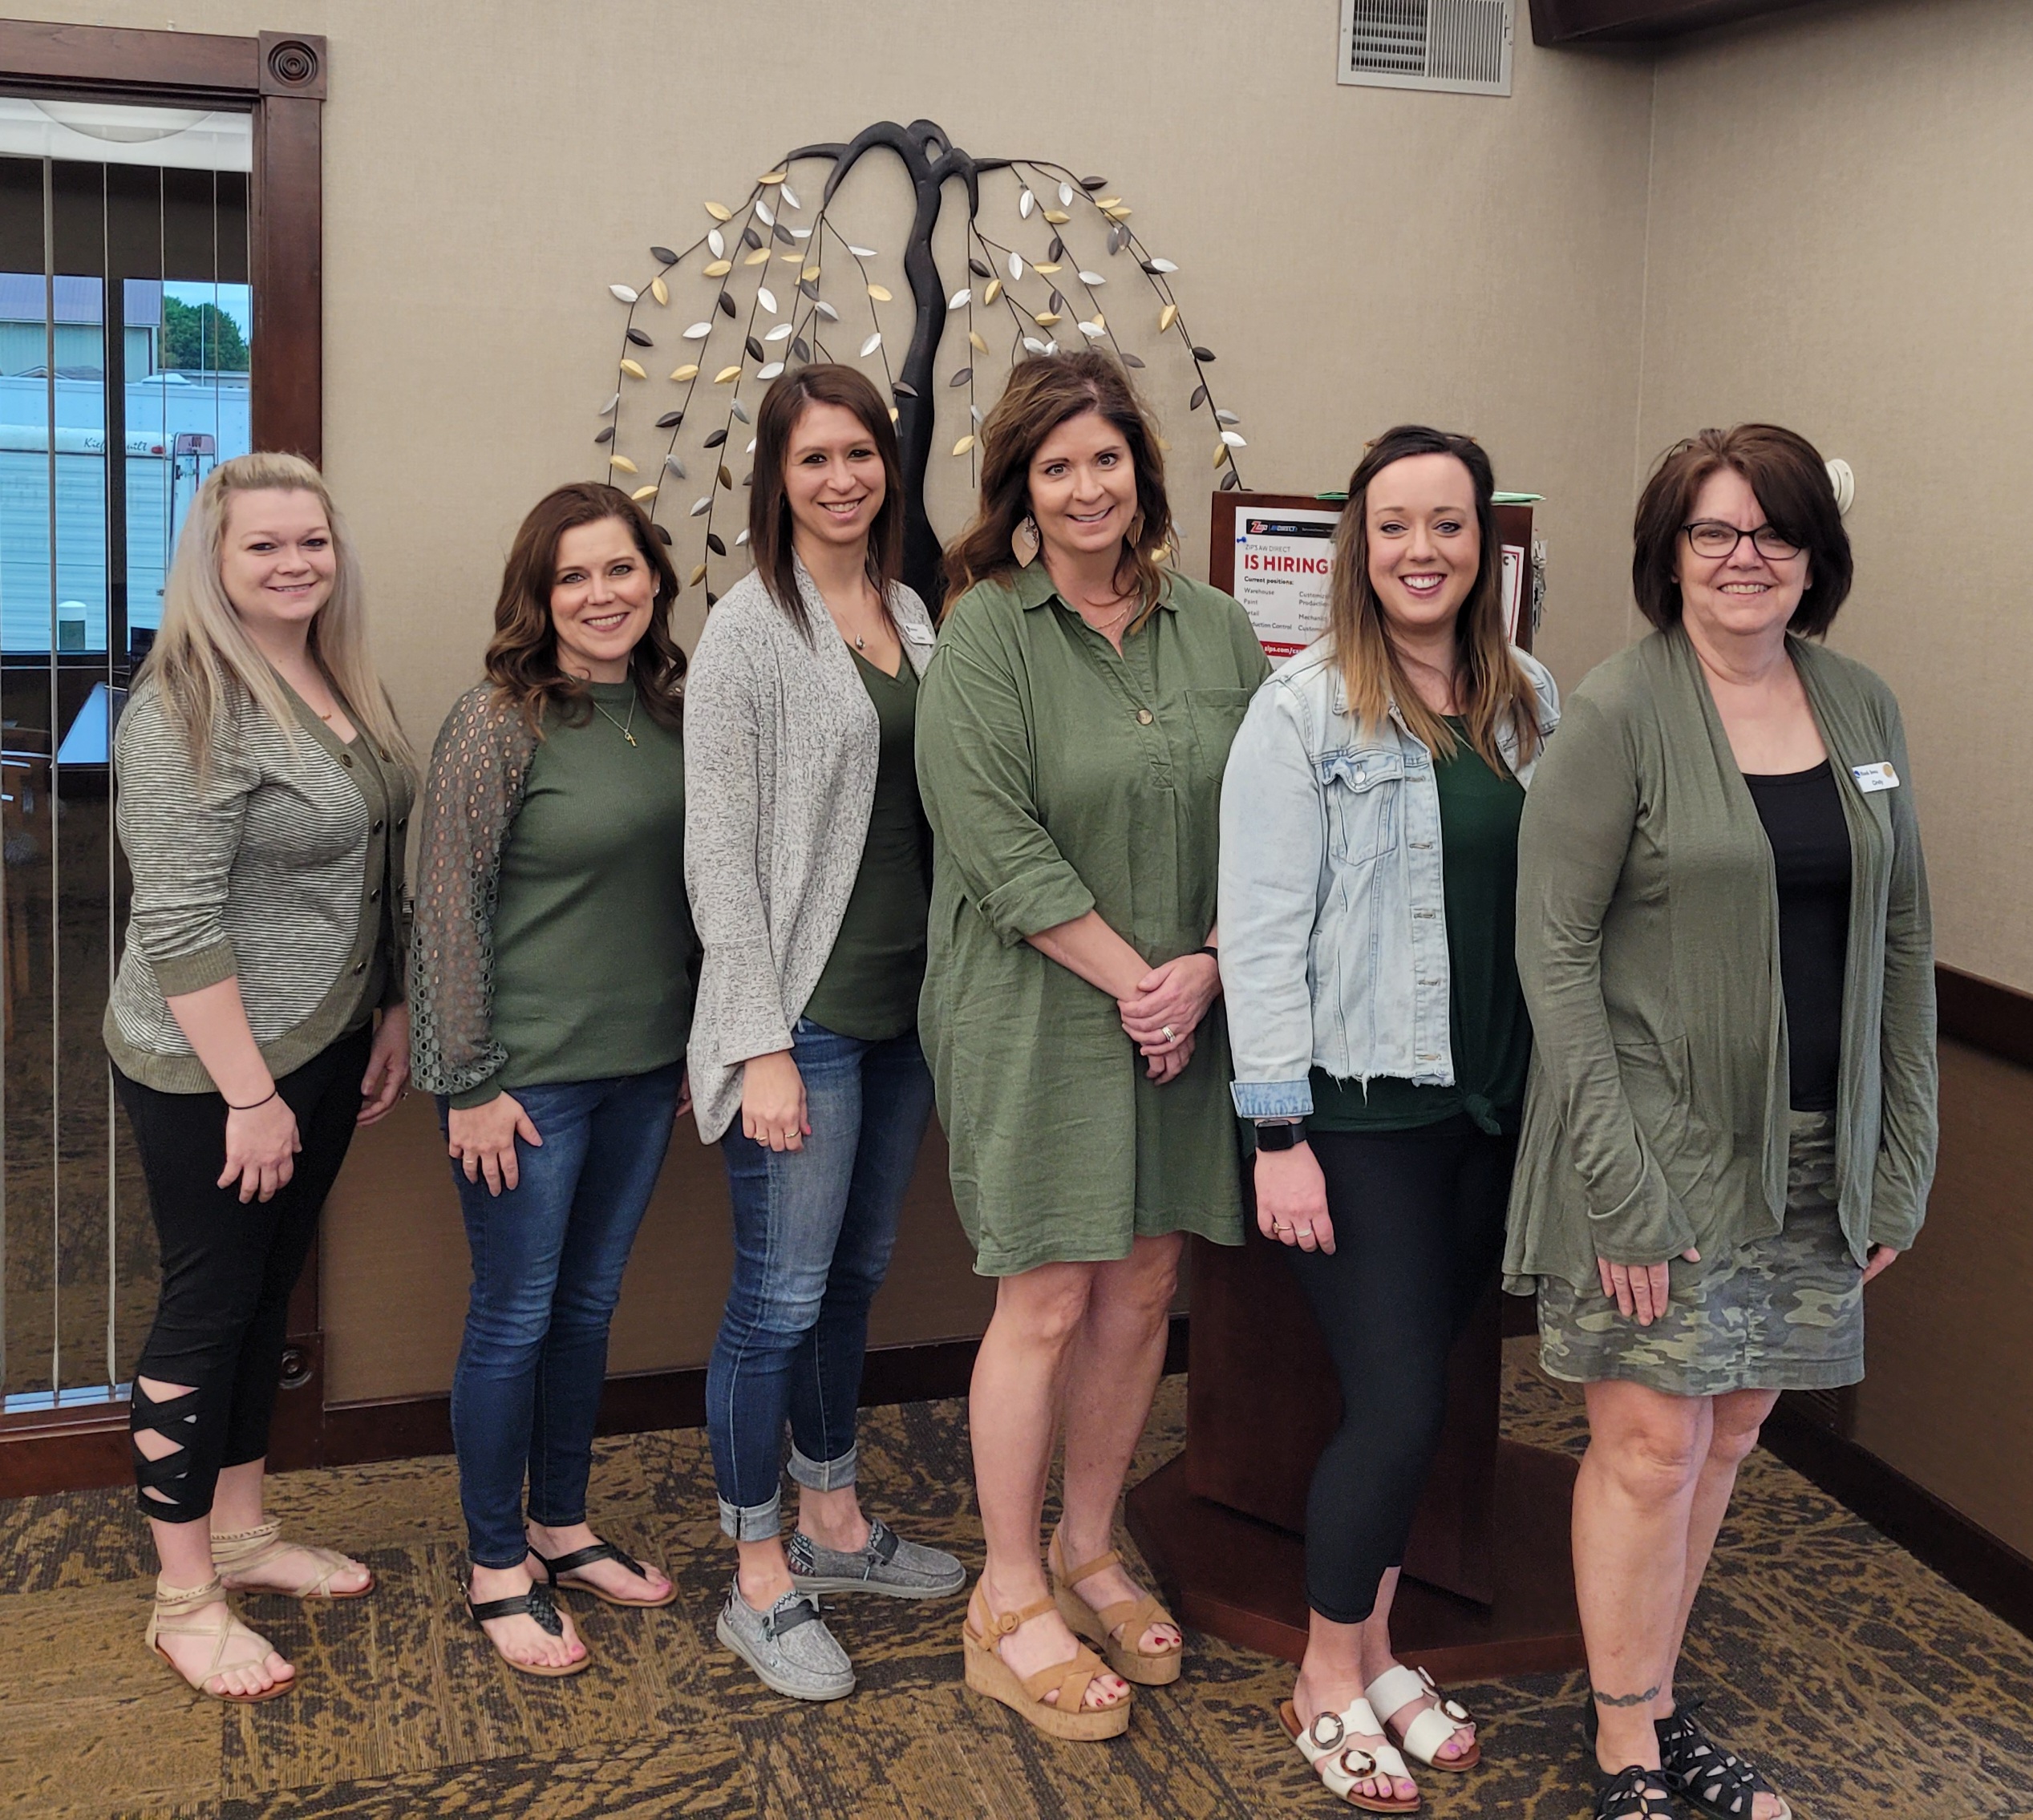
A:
(750, 237)
(698, 331)
(642, 493)
(1045, 319)
(716, 544)
(740, 537)
(712, 599)
(716, 244)
(640, 339)
(976, 342)
(776, 175)
(1057, 247)
(1198, 399)
(766, 298)
(1051, 347)
(770, 371)
(1016, 267)
(879, 293)
(671, 420)
(1130, 359)
(727, 305)
(659, 290)
(750, 449)
(974, 411)
(965, 443)
(726, 479)
(1094, 330)
(1160, 265)
(623, 463)
(719, 268)
(903, 389)
(698, 574)
(1107, 201)
(1202, 353)
(1055, 302)
(764, 214)
(1221, 453)
(1234, 439)
(663, 256)
(781, 332)
(726, 375)
(626, 293)
(1057, 216)
(1118, 238)
(965, 376)
(1033, 345)
(1066, 194)
(1230, 481)
(801, 348)
(609, 405)
(1025, 204)
(689, 370)
(1092, 278)
(827, 310)
(1167, 316)
(719, 212)
(991, 290)
(1094, 182)
(862, 252)
(789, 198)
(663, 536)
(1226, 417)
(871, 344)
(674, 465)
(759, 256)
(800, 233)
(980, 268)
(755, 348)
(604, 434)
(633, 370)
(807, 288)
(700, 507)
(781, 235)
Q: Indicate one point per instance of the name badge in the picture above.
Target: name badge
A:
(922, 635)
(1872, 777)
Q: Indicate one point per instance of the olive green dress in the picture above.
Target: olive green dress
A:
(1061, 777)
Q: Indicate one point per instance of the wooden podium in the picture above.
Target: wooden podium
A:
(1488, 1587)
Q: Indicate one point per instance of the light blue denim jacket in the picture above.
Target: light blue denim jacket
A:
(1333, 924)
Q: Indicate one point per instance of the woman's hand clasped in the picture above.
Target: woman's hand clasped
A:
(1292, 1200)
(773, 1108)
(1640, 1290)
(1166, 1009)
(262, 1146)
(482, 1140)
(388, 1066)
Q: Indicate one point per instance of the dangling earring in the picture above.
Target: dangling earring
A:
(1024, 542)
(1136, 529)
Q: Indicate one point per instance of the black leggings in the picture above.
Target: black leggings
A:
(227, 1271)
(1418, 1232)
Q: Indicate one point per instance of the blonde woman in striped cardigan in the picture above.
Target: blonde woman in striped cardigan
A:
(257, 1018)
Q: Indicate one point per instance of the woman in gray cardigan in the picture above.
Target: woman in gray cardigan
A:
(809, 861)
(1729, 1128)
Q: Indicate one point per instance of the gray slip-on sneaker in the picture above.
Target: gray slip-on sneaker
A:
(888, 1564)
(788, 1645)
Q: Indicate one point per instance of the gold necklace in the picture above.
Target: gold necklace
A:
(610, 720)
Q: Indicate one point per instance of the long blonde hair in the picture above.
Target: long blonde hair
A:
(202, 660)
(1492, 685)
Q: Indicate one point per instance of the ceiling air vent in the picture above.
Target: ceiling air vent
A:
(1460, 46)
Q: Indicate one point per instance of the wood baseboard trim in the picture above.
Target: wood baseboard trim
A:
(1971, 1559)
(1986, 1014)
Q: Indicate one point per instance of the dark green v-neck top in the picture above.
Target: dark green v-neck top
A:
(1488, 1031)
(870, 986)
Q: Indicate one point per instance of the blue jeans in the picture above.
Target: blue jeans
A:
(812, 1233)
(547, 1258)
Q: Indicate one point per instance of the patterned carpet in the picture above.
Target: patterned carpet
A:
(1870, 1686)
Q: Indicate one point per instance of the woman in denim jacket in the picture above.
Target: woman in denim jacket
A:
(1368, 887)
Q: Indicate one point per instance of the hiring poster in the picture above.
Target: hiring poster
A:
(1283, 560)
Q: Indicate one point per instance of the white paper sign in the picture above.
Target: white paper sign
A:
(1514, 572)
(1282, 561)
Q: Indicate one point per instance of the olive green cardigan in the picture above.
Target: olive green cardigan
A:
(1656, 1115)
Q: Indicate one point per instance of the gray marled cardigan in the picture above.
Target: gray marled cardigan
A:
(781, 742)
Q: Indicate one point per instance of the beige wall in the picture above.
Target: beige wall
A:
(1838, 241)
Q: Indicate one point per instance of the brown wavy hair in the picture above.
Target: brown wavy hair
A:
(522, 656)
(769, 506)
(1044, 392)
(1494, 686)
(1790, 480)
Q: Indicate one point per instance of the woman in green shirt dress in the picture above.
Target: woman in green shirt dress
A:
(1071, 735)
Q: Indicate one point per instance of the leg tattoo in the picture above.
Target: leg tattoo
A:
(1644, 1699)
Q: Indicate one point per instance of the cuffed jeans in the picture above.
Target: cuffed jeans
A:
(548, 1257)
(812, 1233)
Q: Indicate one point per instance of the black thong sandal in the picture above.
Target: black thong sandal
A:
(537, 1605)
(1706, 1775)
(556, 1568)
(1634, 1794)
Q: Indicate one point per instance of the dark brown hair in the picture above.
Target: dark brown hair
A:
(769, 506)
(1043, 393)
(1790, 480)
(522, 656)
(1494, 686)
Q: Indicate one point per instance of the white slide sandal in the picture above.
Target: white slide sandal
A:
(1396, 1689)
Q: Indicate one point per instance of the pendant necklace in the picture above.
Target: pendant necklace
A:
(623, 725)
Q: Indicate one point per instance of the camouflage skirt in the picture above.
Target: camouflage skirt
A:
(1784, 1312)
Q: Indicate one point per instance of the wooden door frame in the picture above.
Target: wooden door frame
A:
(279, 78)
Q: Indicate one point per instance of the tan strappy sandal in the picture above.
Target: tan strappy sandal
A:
(1117, 1629)
(987, 1673)
(236, 1553)
(170, 1617)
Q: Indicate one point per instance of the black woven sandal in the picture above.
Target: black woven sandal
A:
(557, 1567)
(1634, 1794)
(536, 1604)
(1704, 1775)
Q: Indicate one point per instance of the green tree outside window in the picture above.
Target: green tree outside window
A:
(201, 337)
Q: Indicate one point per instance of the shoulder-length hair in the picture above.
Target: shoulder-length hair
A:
(770, 527)
(522, 656)
(1790, 480)
(1493, 686)
(1043, 393)
(202, 660)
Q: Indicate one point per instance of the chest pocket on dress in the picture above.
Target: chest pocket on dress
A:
(1215, 714)
(1362, 790)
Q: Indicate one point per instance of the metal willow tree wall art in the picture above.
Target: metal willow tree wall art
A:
(784, 286)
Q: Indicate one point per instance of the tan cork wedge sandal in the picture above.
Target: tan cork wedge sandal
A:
(987, 1673)
(171, 1616)
(1116, 1630)
(236, 1553)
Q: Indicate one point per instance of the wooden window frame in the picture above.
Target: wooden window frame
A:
(278, 78)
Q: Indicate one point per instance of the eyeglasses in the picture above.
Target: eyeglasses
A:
(1711, 537)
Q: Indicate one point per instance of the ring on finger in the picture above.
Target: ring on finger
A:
(1171, 1035)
